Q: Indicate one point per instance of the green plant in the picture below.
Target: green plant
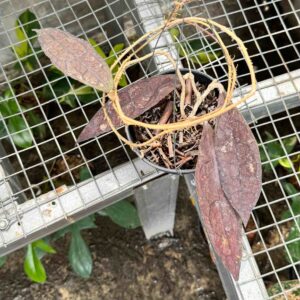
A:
(122, 213)
(294, 234)
(276, 151)
(79, 254)
(25, 26)
(295, 203)
(198, 50)
(60, 89)
(15, 121)
(33, 266)
(3, 261)
(14, 113)
(275, 289)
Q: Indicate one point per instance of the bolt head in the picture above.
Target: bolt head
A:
(3, 224)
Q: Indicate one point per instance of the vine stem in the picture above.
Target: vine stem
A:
(125, 60)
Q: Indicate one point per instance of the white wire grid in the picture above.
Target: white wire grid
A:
(269, 30)
(87, 19)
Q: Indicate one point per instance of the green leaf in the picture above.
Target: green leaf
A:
(60, 87)
(289, 143)
(68, 100)
(287, 285)
(175, 33)
(83, 90)
(66, 94)
(8, 107)
(124, 214)
(22, 47)
(84, 173)
(2, 260)
(29, 23)
(102, 213)
(285, 162)
(85, 94)
(33, 266)
(80, 256)
(123, 81)
(294, 247)
(61, 90)
(291, 190)
(19, 132)
(295, 206)
(97, 48)
(34, 119)
(42, 245)
(199, 50)
(86, 223)
(60, 233)
(3, 131)
(25, 26)
(114, 52)
(275, 150)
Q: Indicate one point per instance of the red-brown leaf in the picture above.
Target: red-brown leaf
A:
(239, 162)
(135, 100)
(75, 58)
(222, 224)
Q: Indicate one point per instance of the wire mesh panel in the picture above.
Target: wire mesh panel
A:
(45, 174)
(43, 112)
(270, 30)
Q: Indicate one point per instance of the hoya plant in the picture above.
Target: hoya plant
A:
(182, 121)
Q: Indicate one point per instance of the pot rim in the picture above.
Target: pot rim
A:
(129, 136)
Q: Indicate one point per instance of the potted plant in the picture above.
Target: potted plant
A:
(183, 121)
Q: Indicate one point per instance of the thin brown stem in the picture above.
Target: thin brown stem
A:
(183, 161)
(170, 146)
(188, 93)
(165, 115)
(164, 158)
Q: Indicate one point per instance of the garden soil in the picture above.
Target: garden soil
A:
(126, 265)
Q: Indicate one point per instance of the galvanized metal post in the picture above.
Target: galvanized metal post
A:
(156, 203)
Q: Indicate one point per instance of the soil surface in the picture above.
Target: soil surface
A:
(126, 265)
(178, 150)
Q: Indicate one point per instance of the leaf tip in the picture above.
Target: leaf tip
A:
(245, 218)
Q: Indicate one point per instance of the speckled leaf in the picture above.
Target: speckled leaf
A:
(223, 225)
(239, 162)
(135, 100)
(75, 58)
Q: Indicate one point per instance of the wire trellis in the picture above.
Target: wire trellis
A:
(41, 185)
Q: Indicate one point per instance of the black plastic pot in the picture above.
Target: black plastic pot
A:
(200, 78)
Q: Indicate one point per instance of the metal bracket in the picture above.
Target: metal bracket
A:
(8, 203)
(156, 204)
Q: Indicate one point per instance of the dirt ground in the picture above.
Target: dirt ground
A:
(126, 265)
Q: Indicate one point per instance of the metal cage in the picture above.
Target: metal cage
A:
(36, 201)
